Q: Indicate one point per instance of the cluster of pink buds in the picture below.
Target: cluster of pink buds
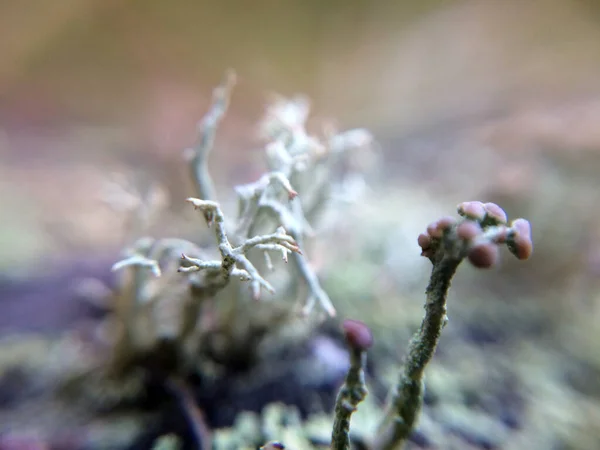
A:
(477, 235)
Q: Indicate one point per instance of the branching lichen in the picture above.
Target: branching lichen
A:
(175, 278)
(231, 257)
(155, 306)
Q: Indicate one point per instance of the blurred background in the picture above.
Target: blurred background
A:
(449, 88)
(473, 99)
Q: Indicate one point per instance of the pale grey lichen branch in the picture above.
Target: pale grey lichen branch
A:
(297, 159)
(295, 229)
(316, 292)
(147, 253)
(231, 257)
(260, 198)
(140, 296)
(300, 165)
(207, 129)
(260, 203)
(152, 293)
(252, 195)
(139, 261)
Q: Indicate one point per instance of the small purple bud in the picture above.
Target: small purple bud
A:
(358, 335)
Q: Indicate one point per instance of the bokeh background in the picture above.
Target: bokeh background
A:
(473, 99)
(449, 88)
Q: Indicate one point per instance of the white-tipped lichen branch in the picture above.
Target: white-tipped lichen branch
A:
(234, 261)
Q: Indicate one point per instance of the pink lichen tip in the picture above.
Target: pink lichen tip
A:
(483, 255)
(424, 241)
(521, 244)
(495, 213)
(468, 230)
(436, 229)
(473, 210)
(358, 335)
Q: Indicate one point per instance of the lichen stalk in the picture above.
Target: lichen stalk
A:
(408, 396)
(352, 392)
(207, 129)
(447, 242)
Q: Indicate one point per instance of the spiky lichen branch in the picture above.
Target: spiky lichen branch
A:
(155, 304)
(236, 256)
(296, 159)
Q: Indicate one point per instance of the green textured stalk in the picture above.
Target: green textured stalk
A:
(407, 400)
(351, 394)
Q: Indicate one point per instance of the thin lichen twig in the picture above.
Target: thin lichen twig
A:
(236, 256)
(408, 398)
(207, 130)
(354, 390)
(350, 395)
(317, 293)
